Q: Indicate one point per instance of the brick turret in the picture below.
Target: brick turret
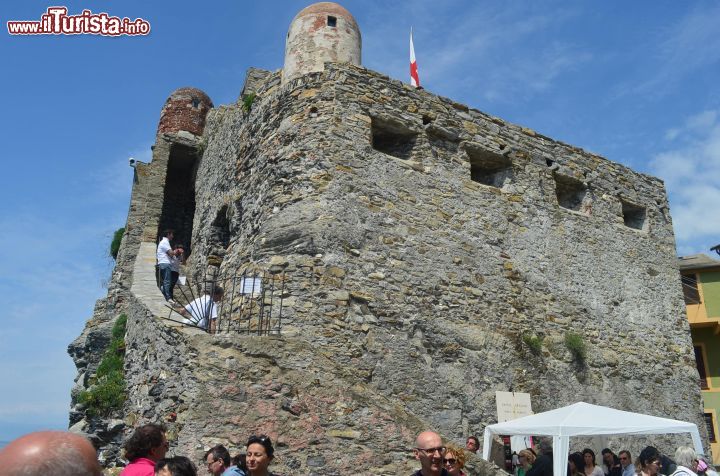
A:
(185, 110)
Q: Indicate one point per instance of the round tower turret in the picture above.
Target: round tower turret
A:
(322, 32)
(185, 110)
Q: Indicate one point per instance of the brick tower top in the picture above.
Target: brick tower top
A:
(185, 110)
(322, 32)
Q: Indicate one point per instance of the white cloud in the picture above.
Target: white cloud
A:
(691, 169)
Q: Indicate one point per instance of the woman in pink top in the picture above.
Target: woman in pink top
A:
(144, 448)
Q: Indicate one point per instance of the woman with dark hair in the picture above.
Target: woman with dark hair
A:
(260, 453)
(177, 466)
(143, 449)
(576, 464)
(239, 461)
(649, 462)
(589, 459)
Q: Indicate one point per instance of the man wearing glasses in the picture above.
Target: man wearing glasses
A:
(429, 450)
(218, 462)
(472, 444)
(628, 469)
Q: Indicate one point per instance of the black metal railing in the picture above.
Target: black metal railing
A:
(251, 302)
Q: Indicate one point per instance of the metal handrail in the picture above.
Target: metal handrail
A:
(252, 302)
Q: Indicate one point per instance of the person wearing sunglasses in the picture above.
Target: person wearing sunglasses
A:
(628, 468)
(429, 450)
(472, 444)
(454, 460)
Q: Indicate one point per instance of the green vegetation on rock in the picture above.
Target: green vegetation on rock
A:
(248, 102)
(115, 244)
(533, 342)
(576, 345)
(108, 391)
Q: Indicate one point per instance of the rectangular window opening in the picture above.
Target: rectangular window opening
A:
(332, 21)
(700, 363)
(392, 138)
(633, 215)
(489, 168)
(710, 424)
(690, 289)
(570, 192)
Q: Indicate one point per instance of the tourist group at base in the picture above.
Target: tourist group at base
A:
(62, 453)
(446, 459)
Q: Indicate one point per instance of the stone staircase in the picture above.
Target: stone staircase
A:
(144, 285)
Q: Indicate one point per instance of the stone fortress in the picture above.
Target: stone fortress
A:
(424, 246)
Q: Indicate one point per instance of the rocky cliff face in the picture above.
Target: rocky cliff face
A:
(422, 244)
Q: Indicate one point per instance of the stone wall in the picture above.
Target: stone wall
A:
(422, 241)
(423, 280)
(209, 390)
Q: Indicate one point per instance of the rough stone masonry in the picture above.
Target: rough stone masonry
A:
(423, 244)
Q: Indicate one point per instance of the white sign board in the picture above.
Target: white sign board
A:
(512, 405)
(251, 285)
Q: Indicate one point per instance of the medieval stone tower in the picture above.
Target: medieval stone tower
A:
(323, 32)
(426, 255)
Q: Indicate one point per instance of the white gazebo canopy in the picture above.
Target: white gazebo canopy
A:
(584, 419)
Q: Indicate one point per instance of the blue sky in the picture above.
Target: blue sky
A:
(636, 82)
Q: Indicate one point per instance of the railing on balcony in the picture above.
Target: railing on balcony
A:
(251, 303)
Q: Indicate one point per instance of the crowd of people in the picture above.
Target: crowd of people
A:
(147, 447)
(63, 453)
(650, 462)
(446, 459)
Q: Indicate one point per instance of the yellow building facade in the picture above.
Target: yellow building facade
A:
(700, 276)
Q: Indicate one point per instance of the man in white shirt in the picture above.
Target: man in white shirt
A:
(203, 309)
(164, 254)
